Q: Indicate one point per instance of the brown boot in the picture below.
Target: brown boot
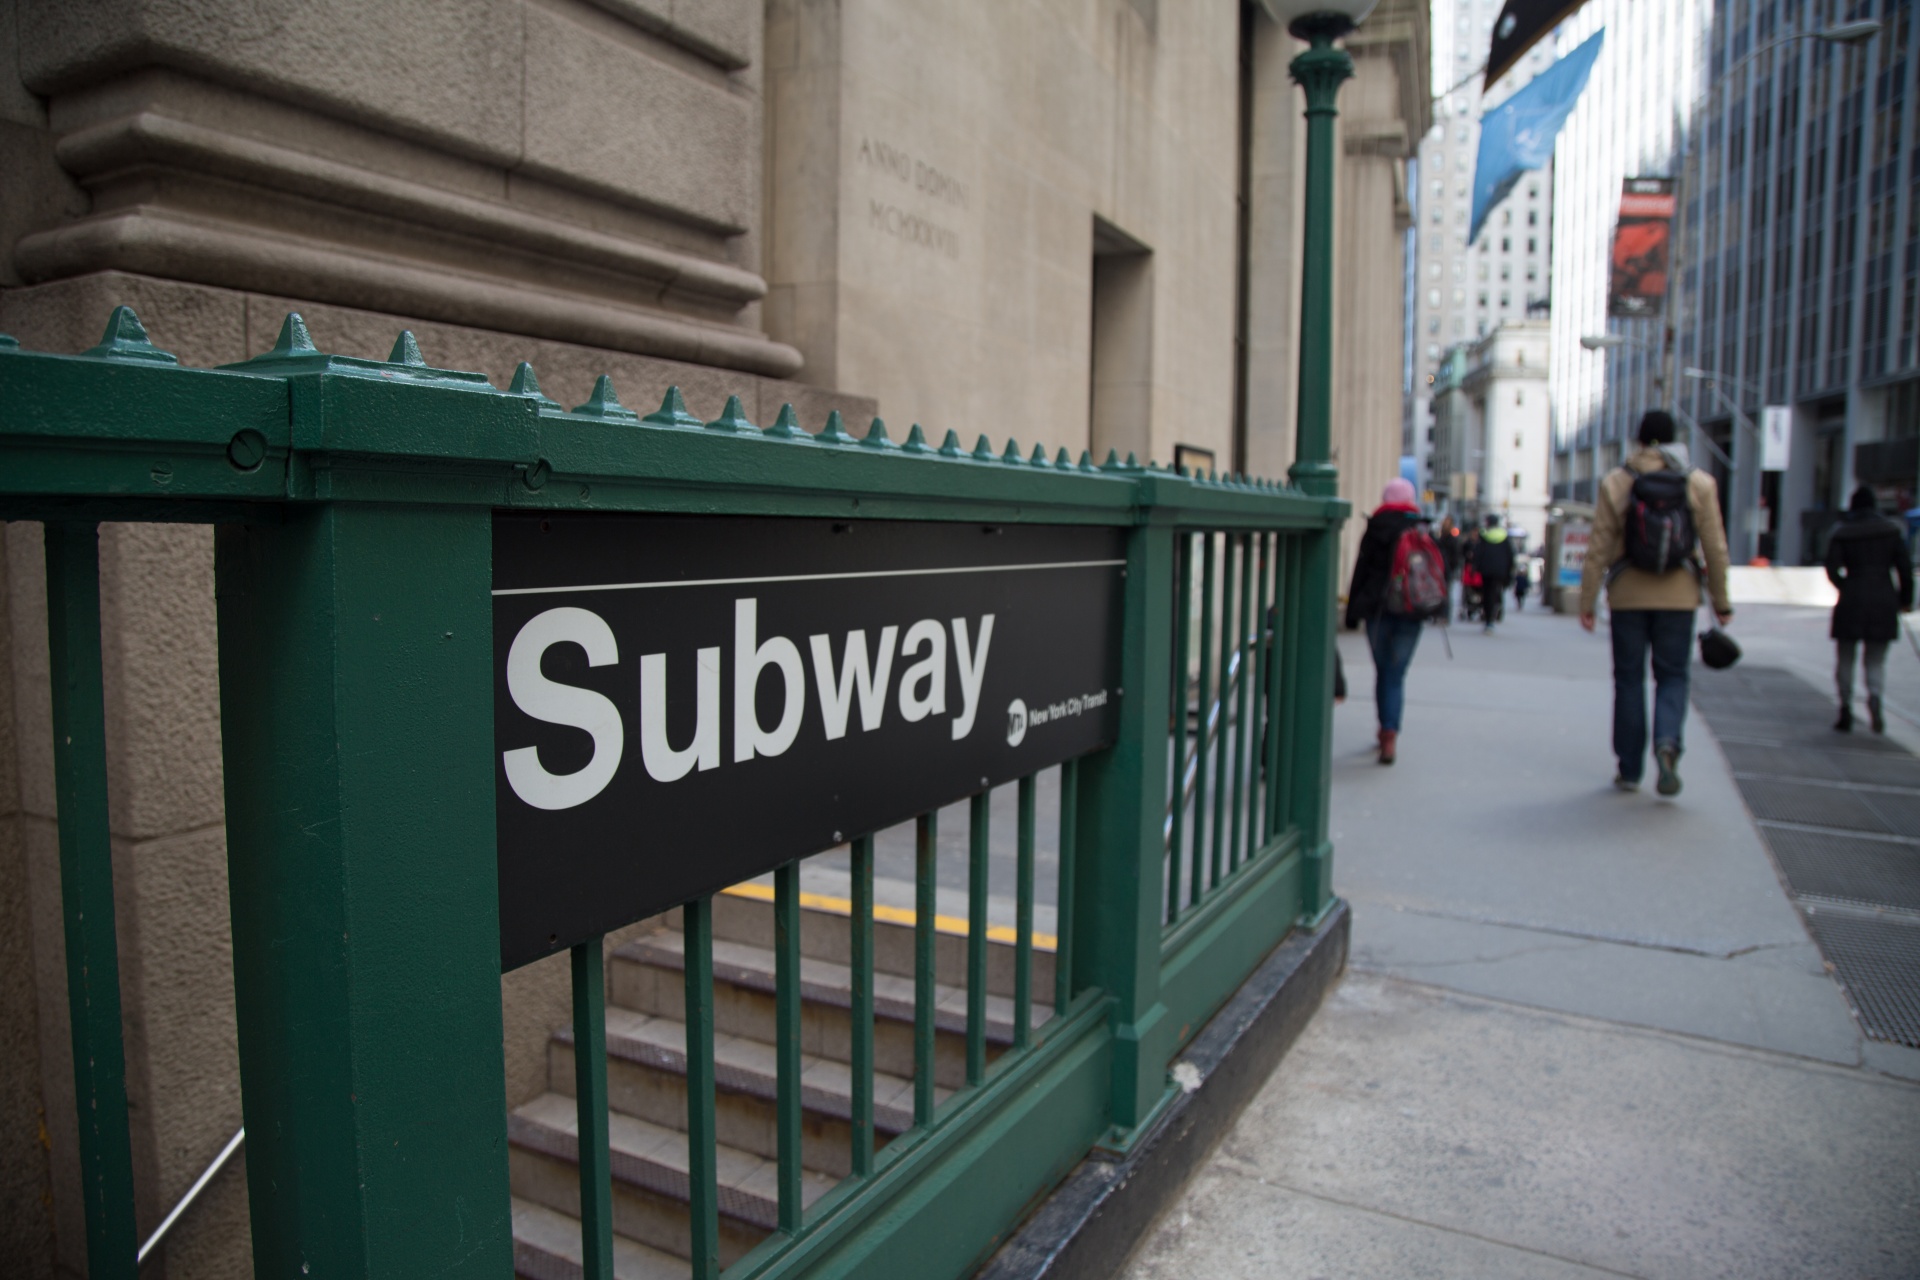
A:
(1389, 738)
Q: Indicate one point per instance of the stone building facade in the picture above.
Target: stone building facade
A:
(1075, 225)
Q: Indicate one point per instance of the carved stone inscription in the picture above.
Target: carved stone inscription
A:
(898, 173)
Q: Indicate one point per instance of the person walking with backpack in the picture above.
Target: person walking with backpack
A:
(1867, 561)
(1493, 561)
(1399, 582)
(1655, 519)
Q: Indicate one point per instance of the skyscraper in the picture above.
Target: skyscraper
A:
(1797, 254)
(1460, 291)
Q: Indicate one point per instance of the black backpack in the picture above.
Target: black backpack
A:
(1658, 524)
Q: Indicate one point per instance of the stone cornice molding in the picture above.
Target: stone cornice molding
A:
(150, 138)
(208, 251)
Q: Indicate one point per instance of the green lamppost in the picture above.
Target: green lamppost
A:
(1320, 70)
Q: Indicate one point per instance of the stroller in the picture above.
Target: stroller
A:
(1472, 595)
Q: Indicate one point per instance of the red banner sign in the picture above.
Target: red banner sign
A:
(1638, 286)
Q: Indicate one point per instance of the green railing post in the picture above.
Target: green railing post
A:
(86, 896)
(356, 644)
(1320, 71)
(1122, 802)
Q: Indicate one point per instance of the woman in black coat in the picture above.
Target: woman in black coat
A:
(1867, 561)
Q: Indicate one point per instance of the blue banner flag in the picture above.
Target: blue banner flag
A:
(1518, 134)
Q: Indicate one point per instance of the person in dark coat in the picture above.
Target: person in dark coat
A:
(1867, 561)
(1392, 637)
(1492, 558)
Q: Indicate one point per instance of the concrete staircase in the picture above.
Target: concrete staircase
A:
(646, 1079)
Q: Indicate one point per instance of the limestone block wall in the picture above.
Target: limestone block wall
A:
(935, 173)
(583, 171)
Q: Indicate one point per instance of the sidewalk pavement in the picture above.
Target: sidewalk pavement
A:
(1584, 1033)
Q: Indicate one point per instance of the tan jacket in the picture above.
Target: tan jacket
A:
(1636, 588)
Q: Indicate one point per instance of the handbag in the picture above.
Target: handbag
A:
(1718, 649)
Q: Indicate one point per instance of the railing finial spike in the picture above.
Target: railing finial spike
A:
(605, 403)
(916, 441)
(294, 340)
(1012, 456)
(406, 350)
(733, 417)
(877, 436)
(672, 412)
(1113, 462)
(835, 432)
(126, 339)
(527, 383)
(1039, 458)
(983, 451)
(786, 426)
(950, 447)
(1086, 460)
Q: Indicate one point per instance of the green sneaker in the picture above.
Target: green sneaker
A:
(1669, 759)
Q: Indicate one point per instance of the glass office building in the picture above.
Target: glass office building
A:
(1797, 255)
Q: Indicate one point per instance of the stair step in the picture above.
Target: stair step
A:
(649, 976)
(649, 1167)
(744, 913)
(646, 1079)
(546, 1246)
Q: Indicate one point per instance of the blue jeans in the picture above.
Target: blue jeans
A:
(1393, 640)
(1668, 634)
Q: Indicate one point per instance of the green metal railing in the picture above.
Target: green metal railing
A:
(352, 502)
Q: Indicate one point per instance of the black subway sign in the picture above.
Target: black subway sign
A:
(684, 702)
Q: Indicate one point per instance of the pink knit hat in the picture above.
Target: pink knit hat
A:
(1398, 493)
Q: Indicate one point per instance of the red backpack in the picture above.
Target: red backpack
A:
(1417, 585)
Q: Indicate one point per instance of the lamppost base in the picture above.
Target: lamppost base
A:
(1320, 479)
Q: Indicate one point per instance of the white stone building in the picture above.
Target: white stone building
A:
(1463, 291)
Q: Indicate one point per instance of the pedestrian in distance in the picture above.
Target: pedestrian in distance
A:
(1399, 582)
(1867, 562)
(1521, 581)
(1493, 560)
(1656, 519)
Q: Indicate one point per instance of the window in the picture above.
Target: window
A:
(1433, 324)
(1483, 300)
(1433, 350)
(1519, 400)
(1516, 479)
(1506, 245)
(1506, 271)
(1433, 297)
(1533, 272)
(1533, 217)
(1459, 297)
(1506, 217)
(1533, 245)
(1459, 268)
(1434, 271)
(1483, 271)
(1439, 216)
(1516, 439)
(1533, 191)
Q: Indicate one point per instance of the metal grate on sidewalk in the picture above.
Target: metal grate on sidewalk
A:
(1879, 962)
(1841, 817)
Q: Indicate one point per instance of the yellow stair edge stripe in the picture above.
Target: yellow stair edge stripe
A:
(892, 915)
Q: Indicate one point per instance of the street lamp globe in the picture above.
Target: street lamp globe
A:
(1850, 32)
(1306, 18)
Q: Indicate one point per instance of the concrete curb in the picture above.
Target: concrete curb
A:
(1090, 1224)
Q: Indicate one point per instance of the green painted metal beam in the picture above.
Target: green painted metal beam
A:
(366, 937)
(1122, 805)
(86, 898)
